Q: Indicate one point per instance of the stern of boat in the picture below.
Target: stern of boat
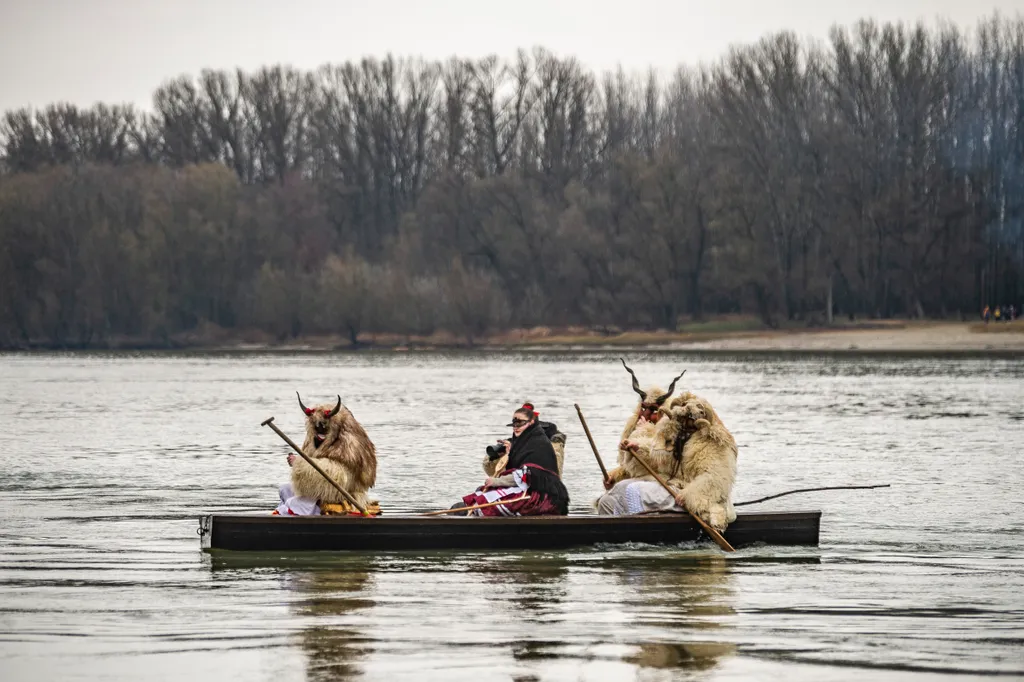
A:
(205, 531)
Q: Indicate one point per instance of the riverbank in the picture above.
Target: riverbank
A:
(726, 334)
(907, 337)
(888, 336)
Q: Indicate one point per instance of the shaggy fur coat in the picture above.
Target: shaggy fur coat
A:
(703, 469)
(709, 460)
(340, 446)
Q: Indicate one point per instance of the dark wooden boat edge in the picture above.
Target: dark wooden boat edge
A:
(263, 532)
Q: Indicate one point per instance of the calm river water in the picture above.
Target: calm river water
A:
(110, 458)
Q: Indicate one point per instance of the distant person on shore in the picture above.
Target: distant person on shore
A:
(985, 314)
(997, 314)
(529, 479)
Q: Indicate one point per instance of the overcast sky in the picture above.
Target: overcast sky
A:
(84, 51)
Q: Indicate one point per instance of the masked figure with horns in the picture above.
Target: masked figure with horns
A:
(631, 488)
(340, 446)
(687, 443)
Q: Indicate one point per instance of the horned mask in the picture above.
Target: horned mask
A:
(648, 401)
(319, 418)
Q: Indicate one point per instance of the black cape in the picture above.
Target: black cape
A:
(532, 446)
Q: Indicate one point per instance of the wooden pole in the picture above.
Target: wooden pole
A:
(479, 506)
(591, 439)
(344, 493)
(811, 490)
(715, 535)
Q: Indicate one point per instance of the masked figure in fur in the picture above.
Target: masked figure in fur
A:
(692, 449)
(709, 462)
(340, 446)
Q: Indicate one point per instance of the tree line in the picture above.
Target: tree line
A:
(879, 173)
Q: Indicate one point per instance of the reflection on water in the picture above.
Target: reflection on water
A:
(101, 574)
(692, 595)
(688, 656)
(590, 607)
(327, 594)
(333, 650)
(587, 608)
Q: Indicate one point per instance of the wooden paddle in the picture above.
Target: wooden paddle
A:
(591, 439)
(715, 535)
(479, 506)
(344, 493)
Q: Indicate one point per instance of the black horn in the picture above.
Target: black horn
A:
(335, 410)
(636, 384)
(304, 408)
(671, 387)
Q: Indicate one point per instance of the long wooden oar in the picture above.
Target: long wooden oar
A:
(344, 493)
(593, 447)
(479, 506)
(715, 535)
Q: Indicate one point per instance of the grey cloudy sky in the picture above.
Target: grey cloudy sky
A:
(83, 51)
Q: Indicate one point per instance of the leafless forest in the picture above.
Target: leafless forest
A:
(879, 173)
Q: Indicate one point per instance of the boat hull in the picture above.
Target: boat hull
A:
(384, 534)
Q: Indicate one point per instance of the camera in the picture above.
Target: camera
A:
(495, 451)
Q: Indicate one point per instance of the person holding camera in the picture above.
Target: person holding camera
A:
(496, 459)
(528, 479)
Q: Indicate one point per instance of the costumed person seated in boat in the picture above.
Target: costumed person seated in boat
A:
(528, 480)
(339, 445)
(630, 482)
(688, 446)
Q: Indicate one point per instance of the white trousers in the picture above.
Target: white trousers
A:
(633, 497)
(294, 505)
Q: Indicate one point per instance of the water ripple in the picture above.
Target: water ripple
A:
(101, 574)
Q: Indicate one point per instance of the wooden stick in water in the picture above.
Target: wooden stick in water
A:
(591, 439)
(715, 535)
(811, 490)
(479, 506)
(344, 493)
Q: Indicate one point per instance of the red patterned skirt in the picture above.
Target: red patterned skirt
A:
(533, 504)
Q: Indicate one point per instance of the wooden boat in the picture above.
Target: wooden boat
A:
(382, 534)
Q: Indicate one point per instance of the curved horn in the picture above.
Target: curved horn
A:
(304, 408)
(335, 410)
(671, 387)
(636, 384)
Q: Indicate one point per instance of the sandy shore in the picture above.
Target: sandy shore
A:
(955, 337)
(876, 336)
